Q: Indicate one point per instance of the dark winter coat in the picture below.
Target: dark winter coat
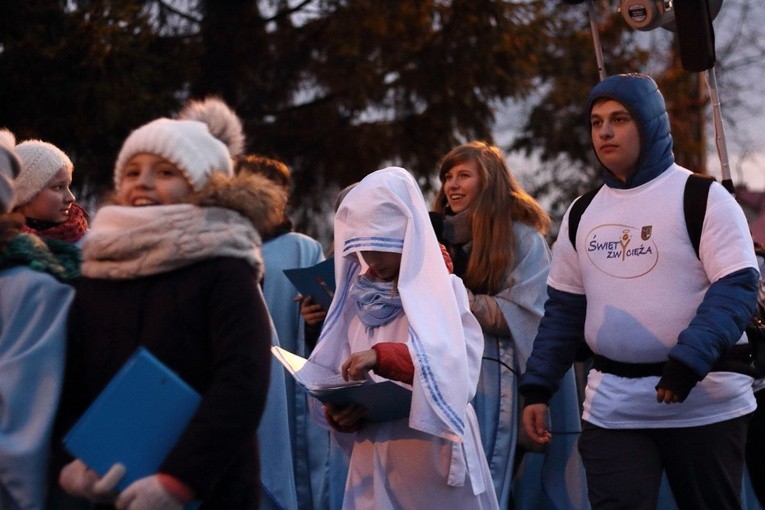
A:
(176, 315)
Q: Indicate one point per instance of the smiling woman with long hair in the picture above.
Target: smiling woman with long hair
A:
(494, 232)
(488, 214)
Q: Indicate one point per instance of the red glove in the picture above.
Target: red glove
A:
(147, 493)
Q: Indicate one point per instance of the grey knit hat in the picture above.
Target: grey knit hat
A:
(40, 161)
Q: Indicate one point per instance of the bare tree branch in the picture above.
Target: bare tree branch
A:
(163, 4)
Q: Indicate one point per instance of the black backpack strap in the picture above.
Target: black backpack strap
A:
(575, 215)
(695, 206)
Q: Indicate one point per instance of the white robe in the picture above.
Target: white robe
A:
(393, 466)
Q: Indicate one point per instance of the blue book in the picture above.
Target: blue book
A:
(136, 420)
(317, 281)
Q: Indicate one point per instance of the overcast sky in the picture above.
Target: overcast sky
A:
(740, 26)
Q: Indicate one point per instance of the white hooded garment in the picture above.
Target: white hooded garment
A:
(434, 458)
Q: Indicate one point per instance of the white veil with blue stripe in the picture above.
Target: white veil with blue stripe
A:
(386, 212)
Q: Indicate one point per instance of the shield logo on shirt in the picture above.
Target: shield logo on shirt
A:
(645, 232)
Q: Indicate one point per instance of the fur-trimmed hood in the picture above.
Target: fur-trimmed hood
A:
(255, 197)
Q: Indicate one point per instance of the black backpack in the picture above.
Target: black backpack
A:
(694, 208)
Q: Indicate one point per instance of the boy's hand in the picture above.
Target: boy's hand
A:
(535, 423)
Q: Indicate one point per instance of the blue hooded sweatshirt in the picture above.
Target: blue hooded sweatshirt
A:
(640, 95)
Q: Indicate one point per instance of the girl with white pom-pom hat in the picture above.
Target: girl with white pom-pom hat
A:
(174, 266)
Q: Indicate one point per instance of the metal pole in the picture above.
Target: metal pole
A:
(722, 150)
(596, 38)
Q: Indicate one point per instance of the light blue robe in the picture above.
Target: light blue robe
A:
(555, 479)
(277, 478)
(496, 403)
(33, 318)
(309, 443)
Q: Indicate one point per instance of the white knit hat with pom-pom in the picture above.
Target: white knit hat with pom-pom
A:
(202, 140)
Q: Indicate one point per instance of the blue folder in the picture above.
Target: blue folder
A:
(384, 401)
(136, 420)
(317, 281)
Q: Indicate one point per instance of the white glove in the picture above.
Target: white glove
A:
(148, 493)
(79, 480)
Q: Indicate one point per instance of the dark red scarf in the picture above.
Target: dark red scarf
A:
(69, 231)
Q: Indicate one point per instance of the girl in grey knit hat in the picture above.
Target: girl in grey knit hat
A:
(43, 193)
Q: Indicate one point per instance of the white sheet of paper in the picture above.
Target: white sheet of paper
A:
(314, 377)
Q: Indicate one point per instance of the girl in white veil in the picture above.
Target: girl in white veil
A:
(398, 312)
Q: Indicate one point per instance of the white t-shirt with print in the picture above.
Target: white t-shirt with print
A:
(643, 283)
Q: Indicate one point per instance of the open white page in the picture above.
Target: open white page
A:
(314, 377)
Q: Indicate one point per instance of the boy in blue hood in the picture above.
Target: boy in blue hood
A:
(656, 316)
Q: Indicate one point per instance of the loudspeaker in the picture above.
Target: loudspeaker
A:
(690, 19)
(695, 34)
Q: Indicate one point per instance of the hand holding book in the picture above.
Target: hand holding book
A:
(77, 479)
(344, 419)
(128, 430)
(383, 401)
(148, 492)
(316, 281)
